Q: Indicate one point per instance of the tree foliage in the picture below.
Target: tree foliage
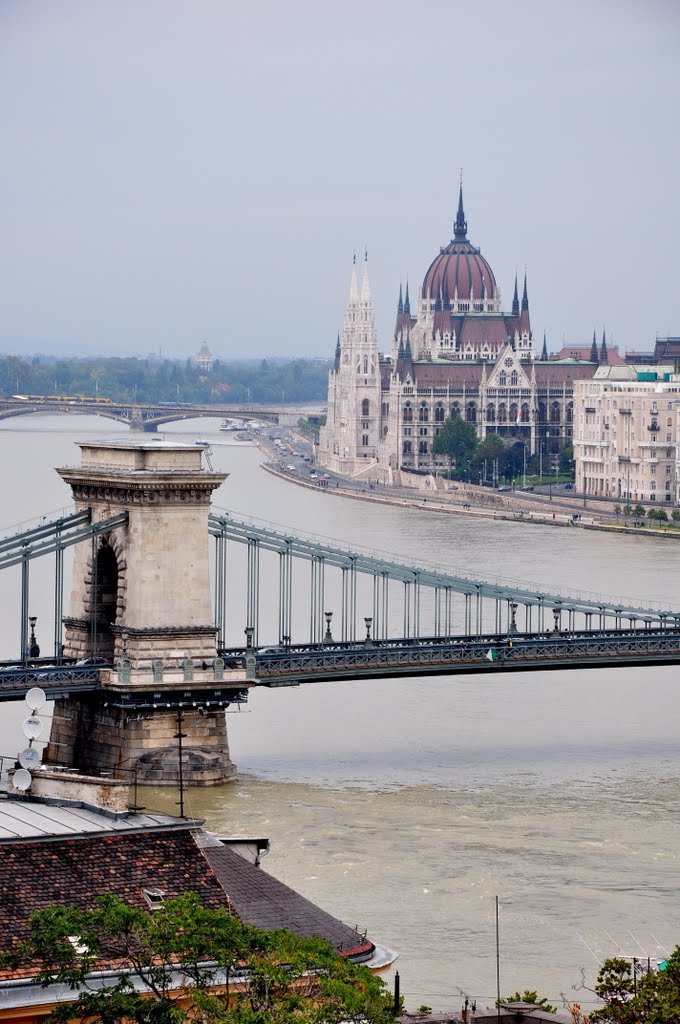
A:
(129, 379)
(185, 963)
(457, 440)
(529, 996)
(633, 996)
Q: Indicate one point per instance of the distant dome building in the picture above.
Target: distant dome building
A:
(459, 355)
(205, 358)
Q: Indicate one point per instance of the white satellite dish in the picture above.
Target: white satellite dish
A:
(22, 779)
(36, 699)
(29, 758)
(32, 727)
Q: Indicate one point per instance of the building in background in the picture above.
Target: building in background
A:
(205, 358)
(626, 434)
(458, 354)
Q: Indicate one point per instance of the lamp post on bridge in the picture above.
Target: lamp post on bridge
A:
(328, 637)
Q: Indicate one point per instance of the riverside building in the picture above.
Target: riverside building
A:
(457, 354)
(626, 434)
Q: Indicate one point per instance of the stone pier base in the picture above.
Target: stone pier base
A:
(92, 736)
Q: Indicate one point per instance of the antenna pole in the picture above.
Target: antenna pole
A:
(498, 966)
(179, 737)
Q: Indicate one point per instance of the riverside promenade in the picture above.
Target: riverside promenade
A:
(471, 500)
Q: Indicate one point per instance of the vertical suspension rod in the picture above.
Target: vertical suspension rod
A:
(253, 588)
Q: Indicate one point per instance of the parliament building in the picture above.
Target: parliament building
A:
(457, 354)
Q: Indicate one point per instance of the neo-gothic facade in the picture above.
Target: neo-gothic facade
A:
(458, 355)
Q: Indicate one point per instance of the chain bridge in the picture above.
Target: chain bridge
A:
(145, 652)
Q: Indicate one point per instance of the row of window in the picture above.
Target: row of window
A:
(500, 414)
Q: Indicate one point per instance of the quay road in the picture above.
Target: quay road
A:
(351, 660)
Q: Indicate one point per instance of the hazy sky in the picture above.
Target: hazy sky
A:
(180, 170)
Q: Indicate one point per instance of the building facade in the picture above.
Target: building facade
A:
(626, 434)
(458, 354)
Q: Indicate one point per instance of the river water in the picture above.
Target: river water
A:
(406, 806)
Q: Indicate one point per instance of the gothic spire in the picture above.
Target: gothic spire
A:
(460, 223)
(515, 299)
(407, 301)
(400, 305)
(593, 350)
(353, 286)
(604, 355)
(365, 286)
(525, 297)
(544, 353)
(337, 346)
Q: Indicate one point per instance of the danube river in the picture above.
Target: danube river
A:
(407, 806)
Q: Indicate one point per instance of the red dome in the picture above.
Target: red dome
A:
(459, 270)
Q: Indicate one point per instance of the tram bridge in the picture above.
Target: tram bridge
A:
(145, 651)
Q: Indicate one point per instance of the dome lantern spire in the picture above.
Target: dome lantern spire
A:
(460, 223)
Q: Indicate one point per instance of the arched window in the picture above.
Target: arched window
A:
(408, 413)
(422, 447)
(570, 412)
(513, 379)
(555, 414)
(471, 413)
(490, 413)
(365, 406)
(407, 448)
(439, 413)
(364, 440)
(365, 364)
(502, 413)
(423, 413)
(502, 378)
(455, 410)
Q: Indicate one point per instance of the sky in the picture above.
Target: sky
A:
(176, 171)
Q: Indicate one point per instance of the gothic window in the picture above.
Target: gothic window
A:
(385, 408)
(364, 440)
(439, 413)
(407, 448)
(502, 413)
(422, 447)
(365, 405)
(490, 414)
(555, 415)
(669, 422)
(423, 412)
(514, 411)
(471, 416)
(455, 410)
(542, 418)
(408, 413)
(365, 364)
(570, 412)
(502, 378)
(513, 379)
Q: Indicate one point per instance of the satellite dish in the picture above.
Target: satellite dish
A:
(22, 779)
(32, 727)
(36, 699)
(29, 758)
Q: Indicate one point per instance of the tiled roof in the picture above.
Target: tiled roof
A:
(265, 902)
(36, 874)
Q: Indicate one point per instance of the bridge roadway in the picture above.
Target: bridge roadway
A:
(151, 415)
(310, 663)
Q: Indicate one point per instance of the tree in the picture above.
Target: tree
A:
(456, 439)
(675, 515)
(528, 996)
(638, 998)
(186, 962)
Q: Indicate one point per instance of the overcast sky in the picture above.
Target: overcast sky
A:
(181, 170)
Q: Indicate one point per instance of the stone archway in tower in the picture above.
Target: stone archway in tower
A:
(104, 600)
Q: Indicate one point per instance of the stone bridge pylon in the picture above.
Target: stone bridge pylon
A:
(141, 600)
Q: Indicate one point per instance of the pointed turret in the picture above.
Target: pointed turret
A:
(400, 304)
(525, 297)
(365, 284)
(544, 353)
(604, 355)
(353, 286)
(407, 302)
(337, 347)
(460, 223)
(515, 299)
(593, 350)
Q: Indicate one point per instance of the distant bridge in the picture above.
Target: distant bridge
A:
(149, 416)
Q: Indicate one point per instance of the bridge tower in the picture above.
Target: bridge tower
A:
(141, 600)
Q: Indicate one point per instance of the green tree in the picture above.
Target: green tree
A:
(632, 998)
(456, 439)
(222, 969)
(675, 515)
(529, 996)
